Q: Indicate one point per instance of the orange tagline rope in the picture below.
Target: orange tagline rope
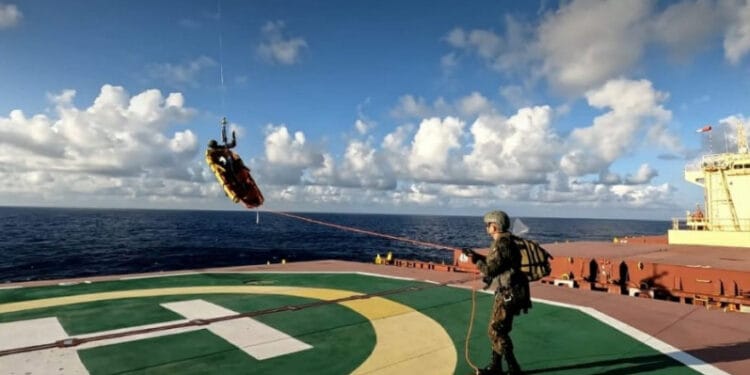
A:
(368, 232)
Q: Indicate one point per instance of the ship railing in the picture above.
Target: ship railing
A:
(690, 222)
(712, 162)
(693, 167)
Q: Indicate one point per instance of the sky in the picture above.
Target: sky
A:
(572, 109)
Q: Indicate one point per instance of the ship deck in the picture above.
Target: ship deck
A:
(654, 251)
(335, 317)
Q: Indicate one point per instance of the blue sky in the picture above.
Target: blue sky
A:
(580, 109)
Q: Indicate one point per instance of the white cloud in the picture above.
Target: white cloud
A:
(449, 61)
(584, 43)
(288, 156)
(430, 150)
(515, 96)
(685, 27)
(474, 104)
(363, 126)
(115, 148)
(284, 149)
(729, 126)
(442, 162)
(127, 146)
(634, 106)
(363, 167)
(520, 149)
(180, 75)
(506, 53)
(10, 16)
(412, 107)
(416, 107)
(486, 43)
(278, 48)
(737, 37)
(642, 196)
(588, 42)
(644, 175)
(395, 150)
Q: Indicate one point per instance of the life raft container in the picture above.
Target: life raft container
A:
(234, 176)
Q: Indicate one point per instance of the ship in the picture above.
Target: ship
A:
(725, 179)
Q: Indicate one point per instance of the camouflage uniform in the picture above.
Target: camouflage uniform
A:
(502, 266)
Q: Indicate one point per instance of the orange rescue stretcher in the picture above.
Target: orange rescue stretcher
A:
(234, 176)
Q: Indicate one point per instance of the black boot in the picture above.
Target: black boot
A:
(495, 367)
(513, 367)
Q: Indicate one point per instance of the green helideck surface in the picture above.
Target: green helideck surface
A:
(548, 340)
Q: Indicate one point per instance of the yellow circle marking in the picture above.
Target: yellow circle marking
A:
(408, 342)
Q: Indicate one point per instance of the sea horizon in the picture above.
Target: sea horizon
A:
(55, 242)
(263, 210)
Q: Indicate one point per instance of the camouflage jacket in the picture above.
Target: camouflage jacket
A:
(502, 263)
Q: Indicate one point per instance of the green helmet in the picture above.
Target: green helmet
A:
(498, 217)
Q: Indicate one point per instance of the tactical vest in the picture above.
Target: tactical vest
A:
(534, 259)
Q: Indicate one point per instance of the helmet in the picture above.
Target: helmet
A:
(213, 144)
(498, 217)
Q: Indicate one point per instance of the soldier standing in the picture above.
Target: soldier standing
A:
(503, 264)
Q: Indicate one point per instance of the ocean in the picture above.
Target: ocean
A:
(52, 243)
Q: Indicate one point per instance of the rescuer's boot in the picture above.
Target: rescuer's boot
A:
(495, 367)
(513, 367)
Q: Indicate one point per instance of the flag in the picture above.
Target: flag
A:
(704, 129)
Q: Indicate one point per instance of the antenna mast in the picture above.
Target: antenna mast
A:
(741, 139)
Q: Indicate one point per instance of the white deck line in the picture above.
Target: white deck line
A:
(680, 356)
(254, 338)
(47, 361)
(154, 276)
(11, 287)
(387, 276)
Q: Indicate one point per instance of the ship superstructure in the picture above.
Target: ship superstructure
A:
(725, 179)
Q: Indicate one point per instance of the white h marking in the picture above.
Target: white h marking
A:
(253, 337)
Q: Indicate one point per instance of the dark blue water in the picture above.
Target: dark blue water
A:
(50, 243)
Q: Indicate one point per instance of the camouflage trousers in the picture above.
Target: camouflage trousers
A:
(501, 323)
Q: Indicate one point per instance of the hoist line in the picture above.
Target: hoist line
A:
(221, 56)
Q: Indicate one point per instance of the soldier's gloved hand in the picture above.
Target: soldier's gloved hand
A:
(487, 280)
(472, 254)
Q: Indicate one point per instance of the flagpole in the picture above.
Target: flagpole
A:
(707, 129)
